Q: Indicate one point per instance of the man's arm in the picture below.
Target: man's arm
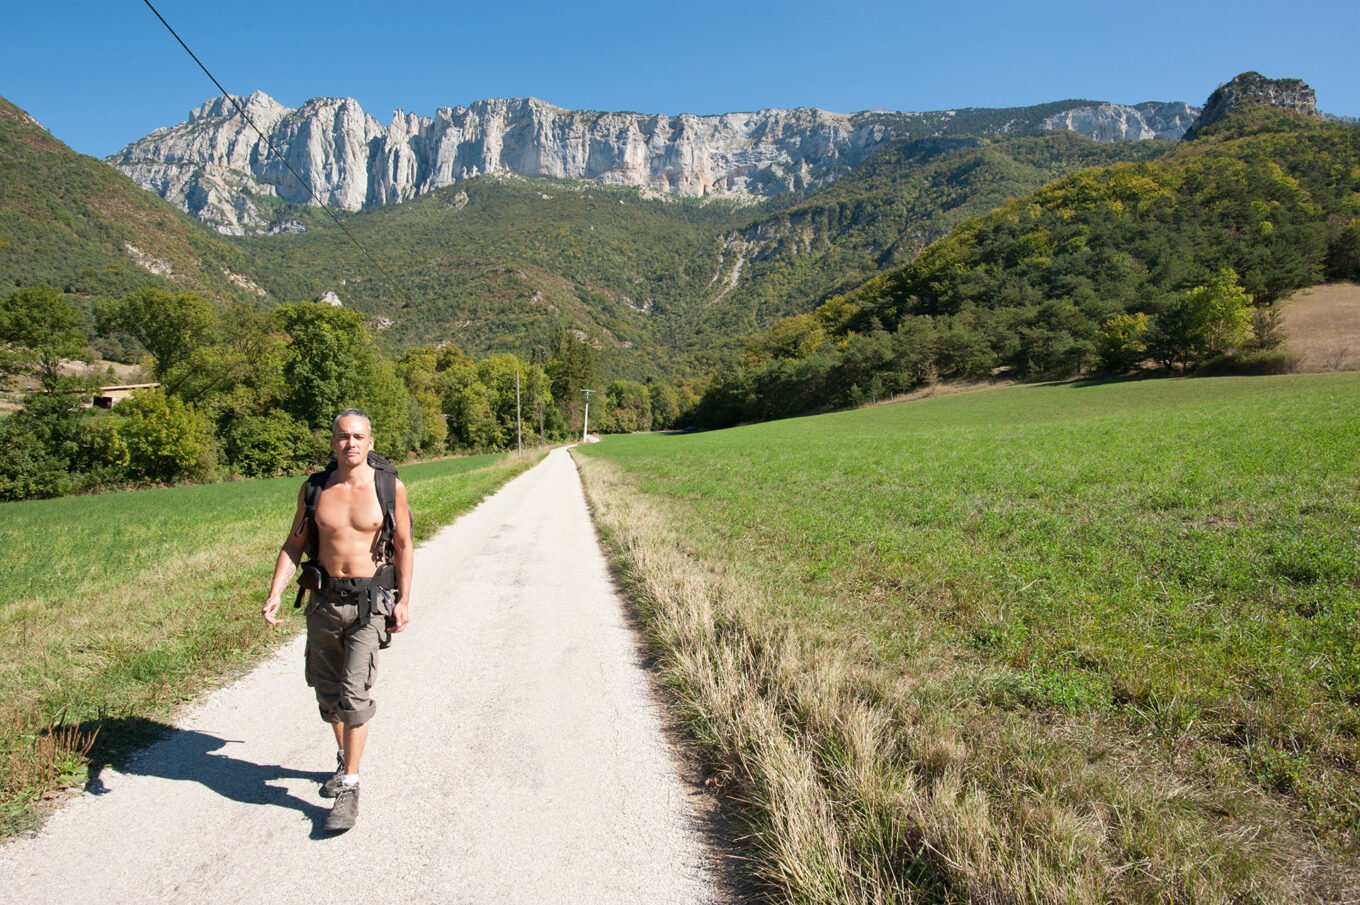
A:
(403, 559)
(287, 564)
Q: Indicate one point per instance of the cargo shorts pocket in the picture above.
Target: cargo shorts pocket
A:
(307, 666)
(372, 671)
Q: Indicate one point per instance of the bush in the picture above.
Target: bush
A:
(1122, 342)
(28, 469)
(167, 440)
(1268, 361)
(264, 446)
(102, 453)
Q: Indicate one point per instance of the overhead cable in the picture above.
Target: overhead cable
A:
(245, 116)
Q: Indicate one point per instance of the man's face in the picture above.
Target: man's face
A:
(351, 440)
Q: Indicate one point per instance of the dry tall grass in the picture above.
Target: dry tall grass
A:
(867, 782)
(1322, 326)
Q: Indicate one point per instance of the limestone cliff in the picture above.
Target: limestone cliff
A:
(216, 167)
(1118, 122)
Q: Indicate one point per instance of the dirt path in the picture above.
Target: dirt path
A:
(516, 756)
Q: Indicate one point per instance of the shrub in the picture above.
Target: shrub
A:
(28, 469)
(167, 440)
(1267, 361)
(263, 446)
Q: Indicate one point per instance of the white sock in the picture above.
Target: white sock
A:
(351, 779)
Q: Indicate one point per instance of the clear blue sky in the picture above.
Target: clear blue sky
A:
(101, 74)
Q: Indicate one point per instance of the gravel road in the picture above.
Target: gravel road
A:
(516, 756)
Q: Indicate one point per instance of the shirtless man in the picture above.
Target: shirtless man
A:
(342, 639)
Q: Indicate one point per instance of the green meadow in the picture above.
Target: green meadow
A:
(119, 607)
(1122, 620)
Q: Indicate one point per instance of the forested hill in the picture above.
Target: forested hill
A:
(1259, 204)
(788, 259)
(663, 285)
(76, 223)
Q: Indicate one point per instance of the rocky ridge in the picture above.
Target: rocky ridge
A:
(218, 169)
(1251, 89)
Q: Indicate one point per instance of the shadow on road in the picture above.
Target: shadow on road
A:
(188, 756)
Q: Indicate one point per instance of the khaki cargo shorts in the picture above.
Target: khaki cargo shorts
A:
(342, 657)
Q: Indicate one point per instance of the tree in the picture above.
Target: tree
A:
(665, 404)
(170, 324)
(467, 402)
(627, 408)
(167, 439)
(1205, 321)
(240, 374)
(573, 368)
(1122, 341)
(331, 365)
(37, 330)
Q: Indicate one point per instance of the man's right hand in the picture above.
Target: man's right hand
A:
(271, 610)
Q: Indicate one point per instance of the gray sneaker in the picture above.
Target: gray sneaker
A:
(345, 810)
(331, 787)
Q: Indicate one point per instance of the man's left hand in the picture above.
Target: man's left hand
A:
(402, 613)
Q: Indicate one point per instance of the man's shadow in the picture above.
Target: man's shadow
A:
(145, 747)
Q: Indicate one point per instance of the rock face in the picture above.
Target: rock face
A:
(1117, 122)
(218, 169)
(1251, 89)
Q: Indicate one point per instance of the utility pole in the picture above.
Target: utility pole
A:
(519, 429)
(585, 422)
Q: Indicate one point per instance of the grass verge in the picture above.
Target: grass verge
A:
(122, 606)
(1042, 644)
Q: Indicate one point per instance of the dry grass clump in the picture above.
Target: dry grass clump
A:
(867, 782)
(37, 756)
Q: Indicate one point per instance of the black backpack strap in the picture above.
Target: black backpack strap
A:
(311, 495)
(385, 482)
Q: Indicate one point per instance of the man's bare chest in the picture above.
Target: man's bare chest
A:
(343, 509)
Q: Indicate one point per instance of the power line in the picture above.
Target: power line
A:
(245, 116)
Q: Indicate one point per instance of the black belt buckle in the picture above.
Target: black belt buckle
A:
(350, 594)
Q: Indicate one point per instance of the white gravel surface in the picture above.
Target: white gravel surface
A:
(516, 756)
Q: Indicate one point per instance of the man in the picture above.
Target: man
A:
(345, 621)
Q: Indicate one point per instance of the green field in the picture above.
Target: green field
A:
(119, 607)
(1072, 642)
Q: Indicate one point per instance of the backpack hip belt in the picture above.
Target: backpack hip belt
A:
(345, 590)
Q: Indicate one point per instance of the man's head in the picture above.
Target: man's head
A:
(351, 437)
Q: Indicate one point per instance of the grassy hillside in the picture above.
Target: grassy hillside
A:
(1321, 325)
(1079, 643)
(105, 630)
(495, 264)
(1027, 288)
(68, 220)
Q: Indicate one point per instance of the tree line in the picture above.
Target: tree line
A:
(250, 393)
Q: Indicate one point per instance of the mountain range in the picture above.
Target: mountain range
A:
(217, 165)
(759, 217)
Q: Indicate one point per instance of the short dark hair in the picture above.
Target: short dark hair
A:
(351, 413)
